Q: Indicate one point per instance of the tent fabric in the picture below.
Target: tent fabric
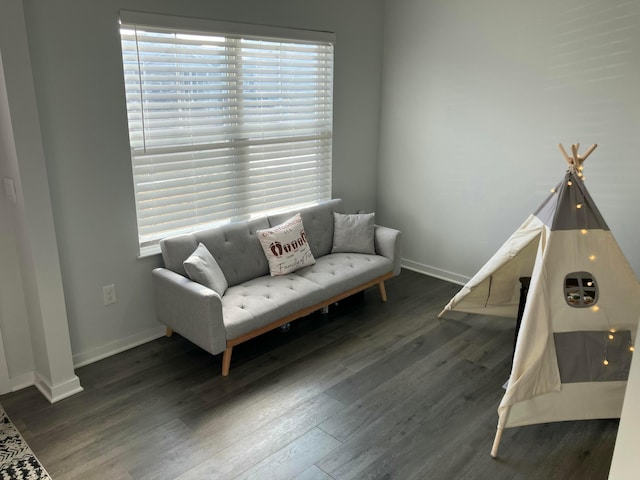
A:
(580, 356)
(494, 289)
(576, 401)
(560, 210)
(535, 367)
(564, 239)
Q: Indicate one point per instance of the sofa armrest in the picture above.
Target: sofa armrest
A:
(387, 243)
(191, 309)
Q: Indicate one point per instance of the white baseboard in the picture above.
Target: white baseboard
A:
(104, 351)
(55, 393)
(434, 272)
(22, 381)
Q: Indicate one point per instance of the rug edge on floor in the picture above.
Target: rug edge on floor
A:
(17, 460)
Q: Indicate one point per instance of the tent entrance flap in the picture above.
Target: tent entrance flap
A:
(495, 289)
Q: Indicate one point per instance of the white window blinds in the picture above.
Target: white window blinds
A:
(224, 126)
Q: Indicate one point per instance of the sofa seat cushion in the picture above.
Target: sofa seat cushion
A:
(263, 300)
(340, 272)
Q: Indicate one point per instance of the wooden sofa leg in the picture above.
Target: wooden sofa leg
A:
(169, 332)
(226, 361)
(383, 291)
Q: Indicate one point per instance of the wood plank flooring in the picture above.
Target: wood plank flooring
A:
(369, 391)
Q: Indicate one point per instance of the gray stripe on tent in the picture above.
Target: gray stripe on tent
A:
(559, 211)
(581, 354)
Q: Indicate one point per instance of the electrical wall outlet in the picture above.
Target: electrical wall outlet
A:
(109, 294)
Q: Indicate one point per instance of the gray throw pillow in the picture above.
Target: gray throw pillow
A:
(353, 233)
(203, 269)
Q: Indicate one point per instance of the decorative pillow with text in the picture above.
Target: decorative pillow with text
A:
(286, 246)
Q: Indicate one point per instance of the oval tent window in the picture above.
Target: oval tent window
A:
(580, 289)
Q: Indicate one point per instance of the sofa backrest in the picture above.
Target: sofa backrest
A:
(317, 221)
(236, 247)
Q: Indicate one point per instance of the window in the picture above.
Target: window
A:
(224, 125)
(580, 289)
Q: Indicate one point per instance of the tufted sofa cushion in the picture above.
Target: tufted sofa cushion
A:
(340, 272)
(260, 301)
(237, 250)
(318, 225)
(263, 300)
(235, 247)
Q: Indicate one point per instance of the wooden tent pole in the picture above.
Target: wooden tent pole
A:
(502, 421)
(576, 159)
(496, 442)
(588, 152)
(564, 153)
(574, 151)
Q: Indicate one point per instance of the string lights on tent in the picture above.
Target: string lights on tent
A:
(575, 164)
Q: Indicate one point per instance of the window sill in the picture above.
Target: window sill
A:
(150, 251)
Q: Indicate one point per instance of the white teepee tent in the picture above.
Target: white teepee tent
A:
(579, 324)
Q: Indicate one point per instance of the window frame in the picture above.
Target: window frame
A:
(580, 286)
(195, 26)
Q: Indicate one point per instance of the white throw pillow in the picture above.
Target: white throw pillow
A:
(353, 233)
(286, 246)
(203, 268)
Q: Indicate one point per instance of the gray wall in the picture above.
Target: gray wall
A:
(475, 98)
(76, 62)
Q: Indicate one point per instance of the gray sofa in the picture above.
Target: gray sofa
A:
(256, 302)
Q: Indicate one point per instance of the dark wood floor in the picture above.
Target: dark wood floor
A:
(370, 391)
